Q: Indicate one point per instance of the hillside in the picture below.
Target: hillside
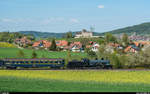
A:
(48, 34)
(43, 34)
(141, 29)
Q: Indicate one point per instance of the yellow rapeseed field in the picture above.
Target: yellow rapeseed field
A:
(83, 75)
(7, 45)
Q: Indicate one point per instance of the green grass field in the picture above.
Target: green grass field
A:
(12, 53)
(74, 81)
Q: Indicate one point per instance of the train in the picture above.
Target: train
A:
(14, 63)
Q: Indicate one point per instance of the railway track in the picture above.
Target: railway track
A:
(84, 69)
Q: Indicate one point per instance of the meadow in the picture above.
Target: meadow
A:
(12, 53)
(74, 81)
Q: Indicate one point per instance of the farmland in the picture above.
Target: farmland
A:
(12, 53)
(74, 81)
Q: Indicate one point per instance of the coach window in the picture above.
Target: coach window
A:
(21, 62)
(17, 62)
(56, 61)
(37, 61)
(13, 62)
(51, 61)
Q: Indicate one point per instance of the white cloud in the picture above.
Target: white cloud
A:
(101, 6)
(7, 20)
(73, 20)
(52, 20)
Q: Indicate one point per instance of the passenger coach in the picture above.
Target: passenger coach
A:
(32, 63)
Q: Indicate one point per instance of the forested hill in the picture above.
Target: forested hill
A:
(38, 34)
(141, 29)
(48, 34)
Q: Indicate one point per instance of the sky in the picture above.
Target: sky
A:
(72, 15)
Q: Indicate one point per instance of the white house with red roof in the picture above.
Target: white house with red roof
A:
(76, 47)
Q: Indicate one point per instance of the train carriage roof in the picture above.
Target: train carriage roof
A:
(37, 59)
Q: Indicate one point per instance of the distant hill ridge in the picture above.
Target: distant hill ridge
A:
(38, 34)
(141, 29)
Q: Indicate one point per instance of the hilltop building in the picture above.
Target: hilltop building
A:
(85, 34)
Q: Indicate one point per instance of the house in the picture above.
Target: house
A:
(61, 43)
(93, 45)
(41, 43)
(116, 45)
(76, 47)
(23, 41)
(132, 49)
(135, 37)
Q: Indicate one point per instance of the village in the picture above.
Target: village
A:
(138, 43)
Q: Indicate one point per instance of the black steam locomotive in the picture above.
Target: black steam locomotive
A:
(54, 63)
(86, 63)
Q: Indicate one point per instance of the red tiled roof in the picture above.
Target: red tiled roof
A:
(46, 44)
(62, 43)
(136, 43)
(78, 44)
(23, 40)
(88, 46)
(127, 49)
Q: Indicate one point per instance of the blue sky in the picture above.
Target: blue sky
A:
(74, 15)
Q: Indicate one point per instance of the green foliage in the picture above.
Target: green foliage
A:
(141, 59)
(125, 40)
(21, 54)
(68, 58)
(116, 61)
(34, 54)
(53, 45)
(92, 54)
(68, 35)
(101, 51)
(9, 37)
(110, 38)
(84, 42)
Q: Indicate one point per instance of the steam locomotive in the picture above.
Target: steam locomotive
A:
(10, 63)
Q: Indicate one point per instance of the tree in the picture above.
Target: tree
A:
(34, 54)
(101, 51)
(69, 35)
(116, 61)
(84, 42)
(125, 39)
(53, 45)
(68, 57)
(20, 54)
(110, 38)
(92, 54)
